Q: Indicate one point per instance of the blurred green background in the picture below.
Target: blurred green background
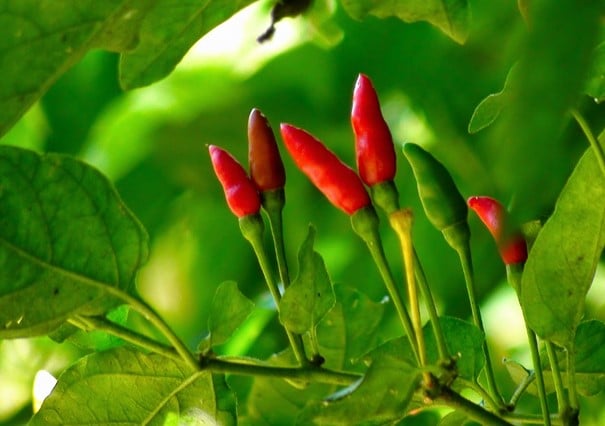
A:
(152, 143)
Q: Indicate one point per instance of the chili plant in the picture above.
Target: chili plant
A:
(341, 357)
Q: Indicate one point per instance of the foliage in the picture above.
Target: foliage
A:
(116, 243)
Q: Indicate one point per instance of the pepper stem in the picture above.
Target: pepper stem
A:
(401, 222)
(592, 140)
(365, 224)
(252, 229)
(464, 253)
(513, 273)
(562, 400)
(273, 204)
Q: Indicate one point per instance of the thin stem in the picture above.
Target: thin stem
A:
(474, 411)
(594, 142)
(365, 224)
(401, 222)
(562, 400)
(467, 269)
(102, 324)
(513, 273)
(527, 380)
(307, 373)
(273, 203)
(252, 230)
(531, 419)
(431, 307)
(535, 356)
(571, 378)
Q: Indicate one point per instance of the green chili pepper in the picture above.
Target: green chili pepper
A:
(443, 204)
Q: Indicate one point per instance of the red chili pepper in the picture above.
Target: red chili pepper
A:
(338, 182)
(513, 248)
(376, 160)
(241, 194)
(266, 166)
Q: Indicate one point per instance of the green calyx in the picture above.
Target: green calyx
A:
(457, 235)
(443, 204)
(365, 224)
(252, 227)
(385, 196)
(273, 200)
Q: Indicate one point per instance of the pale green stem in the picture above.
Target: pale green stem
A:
(562, 400)
(401, 222)
(535, 356)
(365, 224)
(571, 378)
(467, 269)
(513, 273)
(306, 373)
(594, 142)
(106, 326)
(431, 308)
(252, 230)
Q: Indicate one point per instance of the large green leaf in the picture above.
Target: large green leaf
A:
(381, 396)
(170, 29)
(67, 242)
(41, 39)
(123, 386)
(450, 16)
(311, 295)
(563, 260)
(529, 160)
(595, 86)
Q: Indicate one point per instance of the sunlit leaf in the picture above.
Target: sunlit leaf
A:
(455, 418)
(381, 396)
(561, 265)
(40, 39)
(168, 32)
(67, 242)
(450, 16)
(122, 386)
(310, 296)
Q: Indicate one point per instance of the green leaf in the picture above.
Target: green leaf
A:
(310, 296)
(590, 362)
(595, 86)
(346, 332)
(450, 16)
(527, 139)
(462, 339)
(40, 39)
(229, 310)
(561, 265)
(455, 418)
(168, 32)
(361, 318)
(489, 108)
(123, 386)
(381, 396)
(68, 245)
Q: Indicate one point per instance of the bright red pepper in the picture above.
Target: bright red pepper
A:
(266, 166)
(338, 182)
(512, 247)
(241, 194)
(376, 159)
